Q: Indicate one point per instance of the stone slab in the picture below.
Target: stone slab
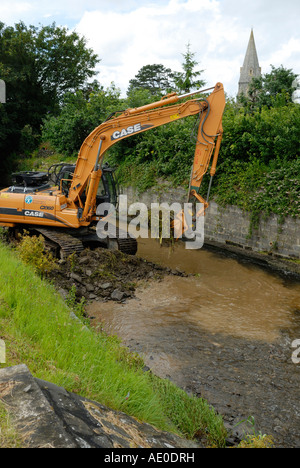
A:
(48, 416)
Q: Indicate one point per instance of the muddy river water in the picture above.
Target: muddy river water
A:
(225, 333)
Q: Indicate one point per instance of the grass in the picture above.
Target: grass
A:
(42, 159)
(9, 437)
(38, 331)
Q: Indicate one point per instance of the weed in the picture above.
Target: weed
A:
(78, 307)
(31, 250)
(255, 439)
(72, 261)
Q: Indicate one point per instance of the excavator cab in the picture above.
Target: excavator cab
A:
(108, 191)
(61, 176)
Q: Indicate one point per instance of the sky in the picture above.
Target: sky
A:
(128, 34)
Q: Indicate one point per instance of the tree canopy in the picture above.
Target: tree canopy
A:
(160, 80)
(188, 80)
(156, 78)
(271, 89)
(39, 65)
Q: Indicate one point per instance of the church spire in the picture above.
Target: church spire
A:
(250, 68)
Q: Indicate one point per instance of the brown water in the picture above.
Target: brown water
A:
(224, 296)
(224, 334)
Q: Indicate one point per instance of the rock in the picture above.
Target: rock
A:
(106, 285)
(83, 260)
(63, 293)
(48, 416)
(89, 287)
(117, 295)
(76, 277)
(32, 414)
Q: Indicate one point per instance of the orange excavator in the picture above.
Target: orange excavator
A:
(61, 204)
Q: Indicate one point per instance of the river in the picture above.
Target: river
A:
(224, 333)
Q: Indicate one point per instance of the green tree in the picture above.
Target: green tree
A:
(156, 78)
(63, 62)
(138, 97)
(80, 113)
(274, 89)
(39, 65)
(188, 80)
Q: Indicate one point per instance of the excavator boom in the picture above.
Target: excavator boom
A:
(135, 121)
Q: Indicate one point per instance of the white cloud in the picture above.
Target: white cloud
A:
(285, 52)
(11, 10)
(153, 34)
(129, 34)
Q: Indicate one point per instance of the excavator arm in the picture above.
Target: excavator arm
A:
(131, 122)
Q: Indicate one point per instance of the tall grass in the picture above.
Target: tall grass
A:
(39, 331)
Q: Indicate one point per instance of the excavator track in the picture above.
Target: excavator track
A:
(121, 241)
(66, 243)
(70, 243)
(128, 246)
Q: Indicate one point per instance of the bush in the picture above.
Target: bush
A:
(267, 134)
(79, 116)
(165, 152)
(31, 251)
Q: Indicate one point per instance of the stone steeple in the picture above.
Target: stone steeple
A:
(250, 68)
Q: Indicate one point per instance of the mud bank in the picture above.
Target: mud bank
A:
(242, 379)
(111, 275)
(103, 275)
(271, 262)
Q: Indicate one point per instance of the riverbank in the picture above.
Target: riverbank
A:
(39, 332)
(246, 375)
(234, 374)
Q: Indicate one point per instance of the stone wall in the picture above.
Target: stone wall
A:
(230, 225)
